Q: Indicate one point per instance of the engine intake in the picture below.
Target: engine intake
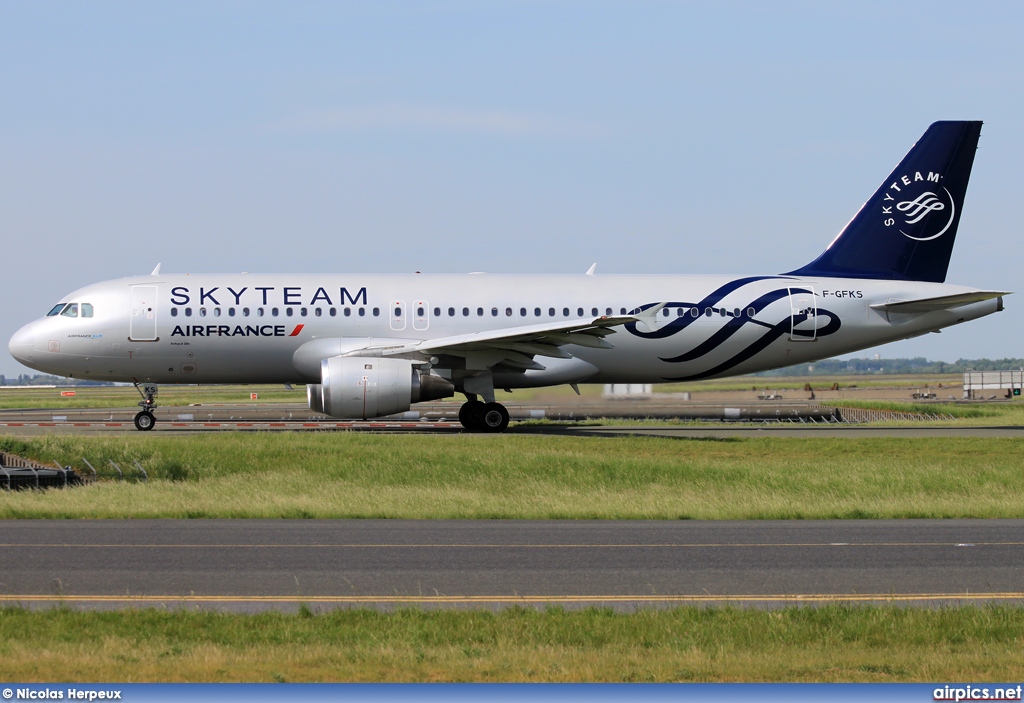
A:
(365, 387)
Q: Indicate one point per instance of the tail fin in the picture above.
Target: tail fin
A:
(905, 231)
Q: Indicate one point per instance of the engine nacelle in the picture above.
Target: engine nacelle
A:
(315, 397)
(365, 387)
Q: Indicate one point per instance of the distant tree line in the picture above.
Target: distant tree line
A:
(850, 367)
(39, 379)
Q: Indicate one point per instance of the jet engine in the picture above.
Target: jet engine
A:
(365, 387)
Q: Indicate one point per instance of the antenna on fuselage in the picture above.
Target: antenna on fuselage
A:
(156, 271)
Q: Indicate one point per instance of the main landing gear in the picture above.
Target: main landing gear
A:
(477, 416)
(144, 419)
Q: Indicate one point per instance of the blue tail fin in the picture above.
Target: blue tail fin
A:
(905, 231)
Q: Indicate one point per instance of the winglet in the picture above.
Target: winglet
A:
(593, 267)
(156, 271)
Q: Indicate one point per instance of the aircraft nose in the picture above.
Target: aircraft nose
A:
(23, 344)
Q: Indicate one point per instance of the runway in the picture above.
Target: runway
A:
(234, 418)
(247, 565)
(680, 431)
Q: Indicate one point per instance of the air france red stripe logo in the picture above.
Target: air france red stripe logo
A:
(295, 332)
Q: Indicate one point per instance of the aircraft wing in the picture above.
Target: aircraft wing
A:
(516, 346)
(944, 302)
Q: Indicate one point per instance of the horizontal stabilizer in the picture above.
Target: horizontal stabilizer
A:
(944, 302)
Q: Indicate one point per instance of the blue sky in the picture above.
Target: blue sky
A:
(660, 137)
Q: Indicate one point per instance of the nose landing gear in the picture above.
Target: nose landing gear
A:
(144, 419)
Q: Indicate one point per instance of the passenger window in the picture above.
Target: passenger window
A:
(565, 312)
(398, 311)
(736, 312)
(721, 312)
(437, 312)
(376, 312)
(259, 312)
(86, 309)
(274, 312)
(551, 312)
(348, 312)
(56, 309)
(479, 312)
(231, 312)
(188, 312)
(679, 312)
(751, 312)
(420, 312)
(216, 312)
(289, 311)
(622, 311)
(665, 312)
(694, 312)
(451, 312)
(303, 311)
(318, 312)
(708, 312)
(608, 312)
(593, 311)
(71, 310)
(202, 312)
(362, 312)
(508, 312)
(494, 312)
(333, 312)
(174, 312)
(245, 312)
(465, 312)
(536, 312)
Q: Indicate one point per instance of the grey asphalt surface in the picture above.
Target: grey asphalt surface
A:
(34, 423)
(277, 564)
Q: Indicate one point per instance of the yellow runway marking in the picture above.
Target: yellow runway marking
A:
(496, 599)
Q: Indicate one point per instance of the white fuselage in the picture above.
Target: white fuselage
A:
(246, 328)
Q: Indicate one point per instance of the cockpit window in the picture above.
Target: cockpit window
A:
(56, 309)
(71, 310)
(86, 309)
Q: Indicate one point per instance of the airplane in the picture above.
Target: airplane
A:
(372, 345)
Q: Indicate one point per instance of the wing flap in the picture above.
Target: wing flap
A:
(586, 332)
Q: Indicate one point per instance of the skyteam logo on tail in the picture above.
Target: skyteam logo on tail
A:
(911, 199)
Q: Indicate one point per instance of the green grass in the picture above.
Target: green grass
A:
(126, 396)
(1009, 411)
(829, 643)
(336, 475)
(13, 397)
(746, 383)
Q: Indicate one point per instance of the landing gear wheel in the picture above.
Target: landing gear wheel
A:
(470, 414)
(144, 421)
(494, 418)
